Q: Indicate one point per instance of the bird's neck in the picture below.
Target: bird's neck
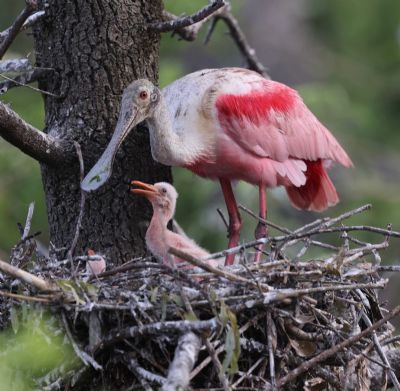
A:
(155, 235)
(167, 146)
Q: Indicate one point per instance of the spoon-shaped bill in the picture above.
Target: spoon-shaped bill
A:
(102, 170)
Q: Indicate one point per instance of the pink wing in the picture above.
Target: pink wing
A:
(274, 122)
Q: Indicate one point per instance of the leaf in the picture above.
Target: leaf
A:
(153, 297)
(190, 316)
(232, 343)
(14, 319)
(303, 348)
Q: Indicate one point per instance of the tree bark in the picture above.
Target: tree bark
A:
(96, 49)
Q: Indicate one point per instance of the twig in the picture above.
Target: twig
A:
(221, 273)
(133, 365)
(307, 365)
(8, 36)
(181, 326)
(271, 357)
(28, 221)
(24, 80)
(32, 141)
(85, 358)
(81, 209)
(218, 366)
(185, 357)
(180, 23)
(33, 19)
(389, 268)
(37, 282)
(24, 297)
(283, 229)
(15, 65)
(381, 353)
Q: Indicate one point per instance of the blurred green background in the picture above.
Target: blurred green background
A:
(343, 58)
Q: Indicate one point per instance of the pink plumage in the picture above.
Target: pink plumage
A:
(159, 238)
(232, 124)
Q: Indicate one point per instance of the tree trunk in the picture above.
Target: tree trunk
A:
(96, 49)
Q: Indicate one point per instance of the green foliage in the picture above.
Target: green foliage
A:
(33, 347)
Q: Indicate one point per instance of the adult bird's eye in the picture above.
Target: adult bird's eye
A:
(143, 95)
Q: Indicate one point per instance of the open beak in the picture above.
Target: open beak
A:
(101, 171)
(146, 190)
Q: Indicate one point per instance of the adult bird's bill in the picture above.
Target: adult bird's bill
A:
(135, 108)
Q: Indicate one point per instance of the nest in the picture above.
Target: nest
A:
(291, 322)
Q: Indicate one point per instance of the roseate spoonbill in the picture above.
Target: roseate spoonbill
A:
(159, 238)
(232, 124)
(95, 267)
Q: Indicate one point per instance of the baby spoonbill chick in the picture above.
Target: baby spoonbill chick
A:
(159, 238)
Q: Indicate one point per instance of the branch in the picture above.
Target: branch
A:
(160, 328)
(33, 19)
(8, 36)
(221, 273)
(184, 359)
(37, 282)
(378, 373)
(179, 23)
(309, 364)
(24, 79)
(15, 65)
(32, 141)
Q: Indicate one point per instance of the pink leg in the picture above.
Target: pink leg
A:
(261, 230)
(235, 222)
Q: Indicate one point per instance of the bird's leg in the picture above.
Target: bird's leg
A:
(262, 229)
(235, 222)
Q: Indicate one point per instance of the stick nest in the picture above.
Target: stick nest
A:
(294, 321)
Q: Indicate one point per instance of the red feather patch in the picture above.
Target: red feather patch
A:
(256, 105)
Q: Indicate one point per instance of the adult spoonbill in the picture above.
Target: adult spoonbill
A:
(232, 124)
(159, 238)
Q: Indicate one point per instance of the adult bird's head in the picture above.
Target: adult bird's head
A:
(162, 196)
(139, 101)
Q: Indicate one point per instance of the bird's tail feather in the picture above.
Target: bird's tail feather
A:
(318, 193)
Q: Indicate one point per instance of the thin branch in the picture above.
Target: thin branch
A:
(271, 357)
(381, 353)
(160, 328)
(221, 273)
(32, 141)
(184, 359)
(142, 373)
(309, 364)
(15, 65)
(24, 80)
(28, 221)
(217, 364)
(33, 19)
(37, 282)
(180, 23)
(8, 36)
(85, 358)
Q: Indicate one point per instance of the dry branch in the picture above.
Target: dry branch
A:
(8, 36)
(307, 365)
(179, 23)
(184, 359)
(32, 141)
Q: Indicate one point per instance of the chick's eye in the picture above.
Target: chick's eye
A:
(143, 95)
(153, 97)
(163, 190)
